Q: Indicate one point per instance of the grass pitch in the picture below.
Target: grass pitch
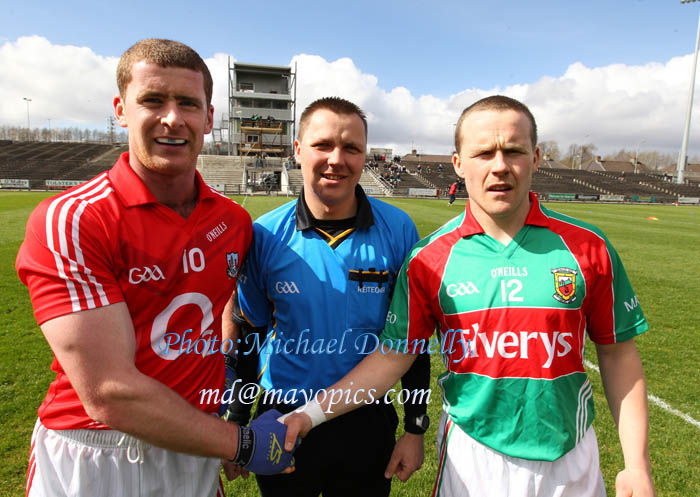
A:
(660, 258)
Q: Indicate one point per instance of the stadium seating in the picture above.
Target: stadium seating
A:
(39, 161)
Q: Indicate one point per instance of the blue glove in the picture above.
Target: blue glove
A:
(231, 362)
(261, 445)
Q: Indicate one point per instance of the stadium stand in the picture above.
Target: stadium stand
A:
(220, 169)
(39, 161)
(409, 180)
(93, 167)
(435, 171)
(563, 181)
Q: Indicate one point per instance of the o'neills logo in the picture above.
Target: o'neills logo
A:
(564, 284)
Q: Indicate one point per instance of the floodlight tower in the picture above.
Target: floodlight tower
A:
(28, 127)
(684, 147)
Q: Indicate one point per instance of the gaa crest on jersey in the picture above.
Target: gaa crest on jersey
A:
(564, 284)
(232, 264)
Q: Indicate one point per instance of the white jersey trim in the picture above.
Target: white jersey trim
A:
(584, 395)
(98, 185)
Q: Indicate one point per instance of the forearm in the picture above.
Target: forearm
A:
(625, 389)
(417, 380)
(367, 381)
(148, 410)
(229, 328)
(96, 349)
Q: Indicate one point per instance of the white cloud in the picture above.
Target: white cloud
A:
(70, 85)
(218, 67)
(616, 106)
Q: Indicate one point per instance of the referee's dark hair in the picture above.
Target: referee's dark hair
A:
(334, 104)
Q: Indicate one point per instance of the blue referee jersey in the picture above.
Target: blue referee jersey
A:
(319, 295)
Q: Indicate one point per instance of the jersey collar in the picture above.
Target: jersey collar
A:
(132, 191)
(470, 226)
(363, 219)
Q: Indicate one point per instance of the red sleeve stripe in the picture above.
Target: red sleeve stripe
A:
(426, 269)
(604, 298)
(97, 185)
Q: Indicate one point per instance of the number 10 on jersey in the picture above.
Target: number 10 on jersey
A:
(193, 259)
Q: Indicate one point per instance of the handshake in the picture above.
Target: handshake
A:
(261, 445)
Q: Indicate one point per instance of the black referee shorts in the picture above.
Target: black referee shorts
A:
(343, 457)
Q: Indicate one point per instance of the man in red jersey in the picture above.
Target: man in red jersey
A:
(513, 289)
(452, 192)
(129, 274)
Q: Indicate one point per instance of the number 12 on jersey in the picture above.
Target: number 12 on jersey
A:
(515, 286)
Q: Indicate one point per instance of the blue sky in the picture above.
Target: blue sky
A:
(415, 59)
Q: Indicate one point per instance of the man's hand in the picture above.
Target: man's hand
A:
(260, 446)
(634, 483)
(233, 470)
(298, 425)
(406, 458)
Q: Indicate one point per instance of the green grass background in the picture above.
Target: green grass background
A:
(661, 260)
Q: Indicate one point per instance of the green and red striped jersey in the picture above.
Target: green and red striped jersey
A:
(512, 322)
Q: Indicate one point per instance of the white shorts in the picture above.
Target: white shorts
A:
(467, 468)
(91, 463)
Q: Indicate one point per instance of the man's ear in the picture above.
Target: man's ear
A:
(210, 120)
(457, 165)
(119, 111)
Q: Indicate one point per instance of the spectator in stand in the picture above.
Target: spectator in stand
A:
(291, 162)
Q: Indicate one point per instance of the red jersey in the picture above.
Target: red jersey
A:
(108, 241)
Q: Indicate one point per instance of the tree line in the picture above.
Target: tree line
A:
(578, 154)
(74, 134)
(574, 156)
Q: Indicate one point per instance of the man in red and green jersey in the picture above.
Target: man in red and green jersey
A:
(513, 289)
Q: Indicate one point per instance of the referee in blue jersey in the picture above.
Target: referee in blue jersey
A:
(315, 291)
